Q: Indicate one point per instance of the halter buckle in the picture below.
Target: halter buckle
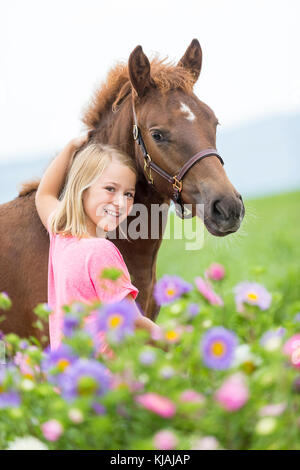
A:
(178, 184)
(147, 167)
(135, 132)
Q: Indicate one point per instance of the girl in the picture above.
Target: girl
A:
(98, 195)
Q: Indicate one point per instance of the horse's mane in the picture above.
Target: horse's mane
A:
(166, 75)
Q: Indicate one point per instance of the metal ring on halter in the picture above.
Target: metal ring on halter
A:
(135, 132)
(147, 167)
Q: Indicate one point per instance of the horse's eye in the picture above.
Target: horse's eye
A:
(157, 136)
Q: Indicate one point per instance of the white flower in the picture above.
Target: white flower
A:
(75, 415)
(243, 354)
(27, 443)
(205, 443)
(266, 426)
(27, 385)
(207, 323)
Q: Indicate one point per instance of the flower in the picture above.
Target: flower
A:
(251, 293)
(165, 440)
(157, 403)
(193, 310)
(215, 272)
(57, 361)
(292, 349)
(75, 415)
(218, 345)
(167, 372)
(98, 408)
(205, 443)
(243, 356)
(207, 291)
(173, 335)
(170, 288)
(70, 323)
(147, 357)
(233, 393)
(26, 443)
(52, 430)
(271, 340)
(86, 377)
(116, 319)
(272, 410)
(266, 426)
(192, 396)
(9, 399)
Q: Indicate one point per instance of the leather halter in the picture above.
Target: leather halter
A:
(177, 179)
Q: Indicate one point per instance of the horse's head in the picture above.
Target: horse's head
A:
(175, 125)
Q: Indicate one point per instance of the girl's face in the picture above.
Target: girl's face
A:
(110, 198)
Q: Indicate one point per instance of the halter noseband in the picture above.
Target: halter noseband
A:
(176, 180)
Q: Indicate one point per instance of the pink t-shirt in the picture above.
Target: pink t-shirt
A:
(74, 267)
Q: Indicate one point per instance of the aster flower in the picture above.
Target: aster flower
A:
(86, 377)
(58, 361)
(192, 396)
(165, 440)
(193, 310)
(26, 443)
(292, 349)
(52, 430)
(9, 399)
(215, 272)
(272, 339)
(159, 404)
(251, 293)
(207, 291)
(217, 346)
(70, 323)
(147, 357)
(233, 393)
(272, 410)
(170, 288)
(117, 320)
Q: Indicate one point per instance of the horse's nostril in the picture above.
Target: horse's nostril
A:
(218, 210)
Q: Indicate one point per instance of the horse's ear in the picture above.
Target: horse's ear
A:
(192, 59)
(139, 71)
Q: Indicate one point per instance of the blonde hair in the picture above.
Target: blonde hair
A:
(89, 163)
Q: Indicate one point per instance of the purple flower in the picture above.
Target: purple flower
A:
(9, 399)
(193, 310)
(297, 318)
(86, 377)
(147, 357)
(271, 334)
(116, 319)
(23, 344)
(70, 322)
(98, 408)
(218, 345)
(170, 288)
(58, 361)
(251, 293)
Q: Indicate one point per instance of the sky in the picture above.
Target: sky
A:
(54, 54)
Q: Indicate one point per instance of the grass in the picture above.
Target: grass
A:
(265, 249)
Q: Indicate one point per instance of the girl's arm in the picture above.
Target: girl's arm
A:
(46, 198)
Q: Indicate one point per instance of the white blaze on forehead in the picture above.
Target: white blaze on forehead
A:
(186, 110)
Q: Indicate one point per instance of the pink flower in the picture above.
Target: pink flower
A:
(272, 410)
(192, 396)
(206, 290)
(292, 349)
(216, 272)
(165, 440)
(52, 430)
(157, 403)
(234, 393)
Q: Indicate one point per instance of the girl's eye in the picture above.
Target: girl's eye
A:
(109, 188)
(130, 195)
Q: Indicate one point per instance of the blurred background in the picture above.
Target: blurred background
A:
(54, 54)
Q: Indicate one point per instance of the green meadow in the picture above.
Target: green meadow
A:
(266, 248)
